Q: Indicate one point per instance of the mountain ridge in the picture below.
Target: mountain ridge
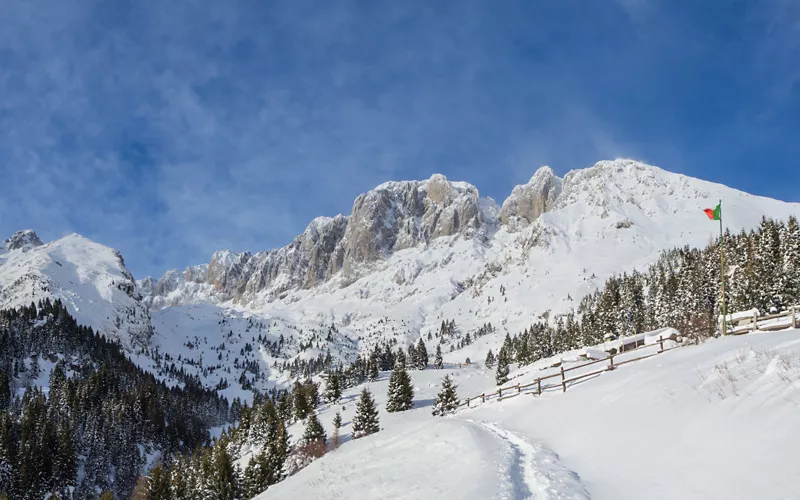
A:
(411, 255)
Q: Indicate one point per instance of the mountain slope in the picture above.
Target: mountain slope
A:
(716, 420)
(410, 255)
(552, 241)
(90, 279)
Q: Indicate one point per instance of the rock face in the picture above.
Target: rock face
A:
(394, 216)
(529, 201)
(399, 215)
(25, 240)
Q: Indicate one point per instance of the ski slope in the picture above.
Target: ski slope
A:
(717, 420)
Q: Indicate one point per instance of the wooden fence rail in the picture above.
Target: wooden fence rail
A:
(509, 392)
(739, 324)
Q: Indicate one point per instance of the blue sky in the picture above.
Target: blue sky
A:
(173, 129)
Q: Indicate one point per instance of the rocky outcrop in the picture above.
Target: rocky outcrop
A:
(399, 215)
(25, 240)
(529, 201)
(391, 217)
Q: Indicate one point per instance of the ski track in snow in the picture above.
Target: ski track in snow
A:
(535, 471)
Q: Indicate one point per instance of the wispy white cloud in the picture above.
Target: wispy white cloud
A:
(172, 129)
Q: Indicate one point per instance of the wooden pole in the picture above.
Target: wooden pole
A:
(539, 384)
(754, 326)
(518, 389)
(467, 402)
(483, 397)
(661, 342)
(563, 380)
(611, 358)
(794, 318)
(722, 270)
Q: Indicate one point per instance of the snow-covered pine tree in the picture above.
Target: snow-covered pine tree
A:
(277, 452)
(314, 430)
(489, 359)
(401, 394)
(501, 377)
(301, 404)
(400, 358)
(422, 355)
(372, 368)
(365, 421)
(158, 485)
(412, 361)
(333, 388)
(337, 420)
(790, 256)
(437, 361)
(224, 482)
(447, 399)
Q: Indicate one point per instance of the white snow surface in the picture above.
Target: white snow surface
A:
(89, 278)
(718, 420)
(610, 218)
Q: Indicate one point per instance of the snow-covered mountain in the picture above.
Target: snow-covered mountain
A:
(410, 255)
(414, 253)
(89, 278)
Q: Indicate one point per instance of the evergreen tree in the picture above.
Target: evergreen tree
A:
(5, 391)
(337, 420)
(447, 400)
(501, 377)
(224, 481)
(400, 358)
(277, 452)
(314, 430)
(365, 421)
(158, 484)
(401, 394)
(489, 359)
(302, 407)
(256, 477)
(437, 361)
(411, 359)
(372, 368)
(422, 355)
(333, 389)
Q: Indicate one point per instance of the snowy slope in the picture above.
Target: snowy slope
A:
(553, 241)
(89, 278)
(410, 255)
(717, 420)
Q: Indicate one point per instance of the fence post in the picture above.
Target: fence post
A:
(661, 342)
(755, 322)
(563, 380)
(539, 384)
(794, 318)
(518, 389)
(611, 358)
(483, 397)
(500, 392)
(467, 402)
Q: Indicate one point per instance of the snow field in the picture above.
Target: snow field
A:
(718, 420)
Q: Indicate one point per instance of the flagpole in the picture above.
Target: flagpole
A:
(722, 268)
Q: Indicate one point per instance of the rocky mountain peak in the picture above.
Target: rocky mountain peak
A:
(529, 201)
(25, 240)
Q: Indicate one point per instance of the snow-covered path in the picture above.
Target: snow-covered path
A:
(718, 420)
(534, 471)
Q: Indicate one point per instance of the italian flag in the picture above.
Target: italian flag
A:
(715, 213)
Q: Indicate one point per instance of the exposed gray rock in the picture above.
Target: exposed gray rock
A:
(392, 217)
(25, 240)
(529, 201)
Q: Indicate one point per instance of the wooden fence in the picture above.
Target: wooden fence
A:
(738, 324)
(537, 387)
